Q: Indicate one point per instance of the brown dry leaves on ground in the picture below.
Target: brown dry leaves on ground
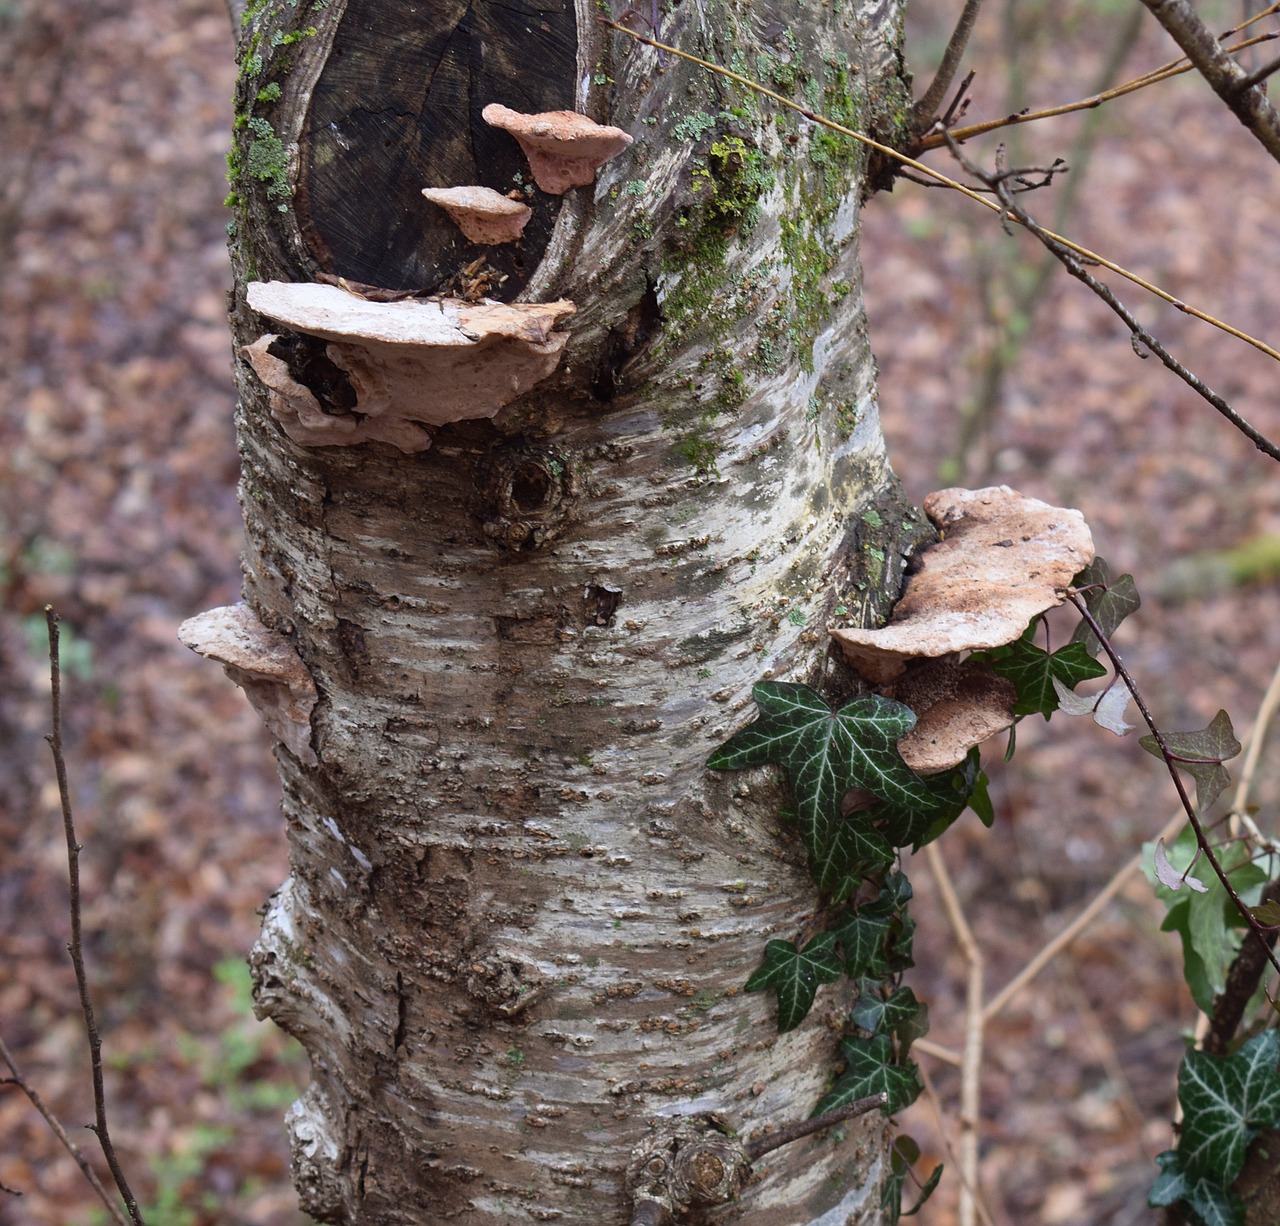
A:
(117, 503)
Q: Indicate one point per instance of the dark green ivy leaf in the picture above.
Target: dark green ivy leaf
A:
(1207, 748)
(948, 794)
(826, 753)
(903, 1154)
(1212, 1203)
(795, 974)
(864, 938)
(880, 1016)
(930, 1186)
(1032, 671)
(1110, 602)
(870, 1069)
(1226, 1101)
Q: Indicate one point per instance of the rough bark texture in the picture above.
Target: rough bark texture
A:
(521, 911)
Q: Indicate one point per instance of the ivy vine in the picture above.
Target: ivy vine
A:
(865, 928)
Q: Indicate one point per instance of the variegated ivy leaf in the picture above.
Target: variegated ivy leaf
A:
(1107, 708)
(795, 975)
(826, 753)
(1201, 754)
(1226, 1101)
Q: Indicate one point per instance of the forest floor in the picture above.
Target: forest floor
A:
(117, 504)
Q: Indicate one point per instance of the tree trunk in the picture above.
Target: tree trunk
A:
(521, 912)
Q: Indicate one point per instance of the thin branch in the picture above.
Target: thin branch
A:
(1165, 72)
(76, 947)
(1091, 256)
(935, 1104)
(1082, 921)
(924, 111)
(1242, 981)
(802, 1128)
(1229, 81)
(19, 1081)
(1261, 74)
(1067, 258)
(1166, 753)
(971, 1063)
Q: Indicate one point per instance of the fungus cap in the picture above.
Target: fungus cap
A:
(564, 148)
(264, 664)
(1002, 559)
(411, 364)
(483, 215)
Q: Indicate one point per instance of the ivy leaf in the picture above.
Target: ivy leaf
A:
(949, 793)
(849, 849)
(1109, 603)
(1169, 876)
(903, 1154)
(1226, 1101)
(1033, 671)
(863, 938)
(826, 753)
(927, 1190)
(871, 1012)
(980, 800)
(795, 974)
(1212, 1203)
(1107, 708)
(870, 1069)
(1207, 748)
(1268, 914)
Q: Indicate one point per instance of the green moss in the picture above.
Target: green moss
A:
(270, 92)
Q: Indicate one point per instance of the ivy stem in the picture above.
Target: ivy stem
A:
(1171, 764)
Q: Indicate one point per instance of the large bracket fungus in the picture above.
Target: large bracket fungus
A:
(564, 149)
(1002, 559)
(264, 664)
(410, 364)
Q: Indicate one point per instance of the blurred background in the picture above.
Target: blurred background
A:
(117, 504)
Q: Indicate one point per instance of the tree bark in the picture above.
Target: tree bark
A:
(520, 911)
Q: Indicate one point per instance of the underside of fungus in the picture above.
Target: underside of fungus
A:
(409, 364)
(483, 215)
(264, 664)
(564, 149)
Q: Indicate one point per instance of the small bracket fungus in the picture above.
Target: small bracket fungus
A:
(564, 148)
(1002, 559)
(265, 665)
(411, 364)
(483, 215)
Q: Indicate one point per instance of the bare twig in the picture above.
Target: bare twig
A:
(924, 111)
(944, 1133)
(1170, 761)
(903, 159)
(1068, 258)
(1243, 977)
(971, 1063)
(76, 947)
(19, 1082)
(1230, 82)
(1165, 72)
(1261, 74)
(802, 1128)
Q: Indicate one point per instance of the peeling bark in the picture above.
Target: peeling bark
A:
(520, 911)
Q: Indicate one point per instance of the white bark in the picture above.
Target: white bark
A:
(521, 912)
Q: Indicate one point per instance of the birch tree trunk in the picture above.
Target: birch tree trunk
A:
(521, 911)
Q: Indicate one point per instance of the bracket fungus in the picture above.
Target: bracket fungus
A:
(264, 664)
(1002, 559)
(410, 364)
(483, 215)
(564, 149)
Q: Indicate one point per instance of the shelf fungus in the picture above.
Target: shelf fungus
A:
(483, 215)
(264, 664)
(564, 149)
(390, 370)
(1002, 559)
